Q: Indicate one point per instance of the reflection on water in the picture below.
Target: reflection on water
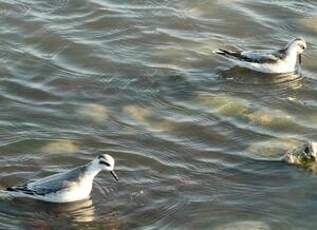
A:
(197, 141)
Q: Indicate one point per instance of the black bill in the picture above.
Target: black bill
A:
(114, 175)
(300, 59)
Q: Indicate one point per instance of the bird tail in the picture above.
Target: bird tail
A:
(227, 53)
(20, 189)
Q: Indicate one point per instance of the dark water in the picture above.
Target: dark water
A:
(192, 136)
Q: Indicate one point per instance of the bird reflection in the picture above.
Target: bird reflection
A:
(244, 80)
(243, 74)
(80, 211)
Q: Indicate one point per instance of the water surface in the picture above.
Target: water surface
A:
(192, 135)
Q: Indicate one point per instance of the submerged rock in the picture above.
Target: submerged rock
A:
(274, 147)
(61, 146)
(310, 23)
(244, 225)
(272, 118)
(95, 112)
(300, 153)
(148, 119)
(137, 112)
(304, 156)
(224, 104)
(236, 107)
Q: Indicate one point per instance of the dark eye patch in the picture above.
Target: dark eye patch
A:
(306, 150)
(104, 163)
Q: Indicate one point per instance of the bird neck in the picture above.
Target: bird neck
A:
(292, 55)
(92, 169)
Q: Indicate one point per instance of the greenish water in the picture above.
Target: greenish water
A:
(192, 135)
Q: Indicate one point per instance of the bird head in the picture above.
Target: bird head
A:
(297, 45)
(106, 162)
(300, 44)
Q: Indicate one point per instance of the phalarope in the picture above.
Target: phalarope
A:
(70, 186)
(279, 61)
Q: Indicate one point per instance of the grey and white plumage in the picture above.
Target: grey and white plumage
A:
(283, 60)
(70, 186)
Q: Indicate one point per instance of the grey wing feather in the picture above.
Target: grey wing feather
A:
(50, 184)
(264, 57)
(253, 56)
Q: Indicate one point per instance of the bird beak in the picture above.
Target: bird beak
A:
(300, 59)
(114, 175)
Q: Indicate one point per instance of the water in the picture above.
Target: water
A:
(193, 136)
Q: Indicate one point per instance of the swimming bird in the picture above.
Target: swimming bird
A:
(279, 61)
(69, 186)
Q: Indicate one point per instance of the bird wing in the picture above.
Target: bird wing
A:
(51, 184)
(263, 57)
(253, 56)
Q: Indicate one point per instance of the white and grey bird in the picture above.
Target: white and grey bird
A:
(279, 61)
(69, 186)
